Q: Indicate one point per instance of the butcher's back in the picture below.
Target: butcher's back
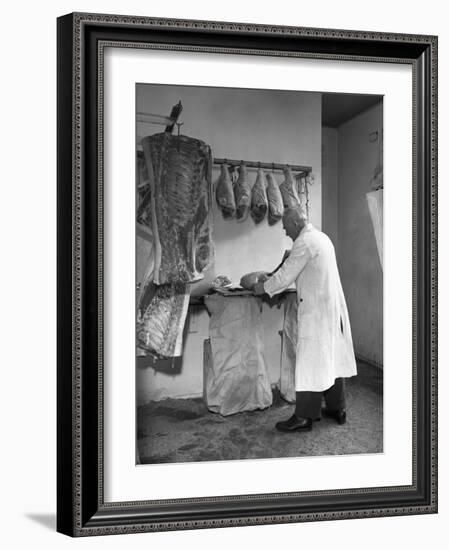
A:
(320, 273)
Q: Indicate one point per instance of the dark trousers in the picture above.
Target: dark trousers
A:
(308, 403)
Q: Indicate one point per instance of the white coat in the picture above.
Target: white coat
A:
(324, 349)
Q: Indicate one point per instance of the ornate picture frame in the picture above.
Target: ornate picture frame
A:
(81, 507)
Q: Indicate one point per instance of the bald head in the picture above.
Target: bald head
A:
(295, 213)
(293, 220)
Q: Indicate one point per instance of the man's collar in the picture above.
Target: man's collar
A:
(307, 227)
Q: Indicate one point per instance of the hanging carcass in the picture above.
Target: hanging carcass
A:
(179, 169)
(179, 172)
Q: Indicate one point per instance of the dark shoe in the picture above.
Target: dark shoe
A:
(295, 424)
(339, 416)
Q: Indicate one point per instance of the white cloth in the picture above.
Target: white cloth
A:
(236, 379)
(324, 349)
(376, 208)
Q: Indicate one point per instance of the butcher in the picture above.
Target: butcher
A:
(324, 350)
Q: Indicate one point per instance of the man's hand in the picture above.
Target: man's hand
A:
(258, 289)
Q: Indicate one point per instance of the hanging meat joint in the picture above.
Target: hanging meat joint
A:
(288, 190)
(179, 169)
(259, 202)
(242, 194)
(275, 202)
(225, 194)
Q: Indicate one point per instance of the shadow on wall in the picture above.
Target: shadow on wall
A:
(172, 366)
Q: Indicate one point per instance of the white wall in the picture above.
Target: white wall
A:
(358, 259)
(329, 176)
(261, 125)
(28, 463)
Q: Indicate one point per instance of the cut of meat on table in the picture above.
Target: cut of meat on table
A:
(225, 193)
(249, 280)
(259, 202)
(242, 194)
(275, 201)
(161, 317)
(221, 281)
(288, 190)
(179, 171)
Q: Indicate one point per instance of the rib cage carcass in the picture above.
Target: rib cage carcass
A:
(179, 171)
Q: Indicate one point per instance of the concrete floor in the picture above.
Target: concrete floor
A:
(183, 430)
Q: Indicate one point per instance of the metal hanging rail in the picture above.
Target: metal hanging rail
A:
(152, 118)
(264, 165)
(167, 121)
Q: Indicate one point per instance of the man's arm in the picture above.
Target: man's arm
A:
(287, 273)
(284, 257)
(258, 289)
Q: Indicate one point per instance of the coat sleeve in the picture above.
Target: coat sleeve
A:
(289, 271)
